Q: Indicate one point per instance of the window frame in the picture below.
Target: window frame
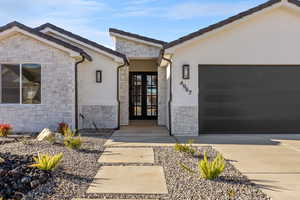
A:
(21, 83)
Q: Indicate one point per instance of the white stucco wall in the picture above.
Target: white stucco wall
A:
(97, 101)
(268, 38)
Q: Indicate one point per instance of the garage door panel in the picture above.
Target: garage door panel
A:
(250, 125)
(242, 98)
(257, 111)
(289, 96)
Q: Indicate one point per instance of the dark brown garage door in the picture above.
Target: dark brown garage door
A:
(249, 98)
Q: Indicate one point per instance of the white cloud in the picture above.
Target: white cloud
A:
(186, 10)
(73, 15)
(190, 10)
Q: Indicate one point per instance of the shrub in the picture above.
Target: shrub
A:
(73, 142)
(211, 170)
(185, 148)
(5, 130)
(47, 162)
(63, 128)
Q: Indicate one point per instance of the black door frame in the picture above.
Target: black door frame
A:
(144, 96)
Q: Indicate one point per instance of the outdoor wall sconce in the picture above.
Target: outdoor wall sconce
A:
(186, 71)
(98, 76)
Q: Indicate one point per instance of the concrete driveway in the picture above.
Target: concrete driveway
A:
(270, 160)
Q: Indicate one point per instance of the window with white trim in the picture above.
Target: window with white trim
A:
(20, 83)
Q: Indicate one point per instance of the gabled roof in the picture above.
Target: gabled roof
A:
(227, 21)
(44, 36)
(136, 36)
(81, 39)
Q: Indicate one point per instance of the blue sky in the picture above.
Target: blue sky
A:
(161, 19)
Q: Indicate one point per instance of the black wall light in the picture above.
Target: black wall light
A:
(98, 76)
(186, 71)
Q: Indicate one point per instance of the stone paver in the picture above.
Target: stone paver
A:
(129, 180)
(140, 141)
(127, 155)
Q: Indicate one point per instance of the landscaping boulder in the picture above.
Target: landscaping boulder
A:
(45, 134)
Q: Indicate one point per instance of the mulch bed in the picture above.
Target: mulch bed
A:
(17, 178)
(74, 174)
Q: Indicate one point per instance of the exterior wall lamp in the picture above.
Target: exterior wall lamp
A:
(98, 76)
(185, 71)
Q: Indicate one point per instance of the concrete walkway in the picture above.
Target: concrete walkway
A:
(141, 135)
(133, 171)
(271, 161)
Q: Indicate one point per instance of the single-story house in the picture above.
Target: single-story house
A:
(241, 74)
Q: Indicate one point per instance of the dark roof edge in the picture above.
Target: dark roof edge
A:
(225, 22)
(47, 37)
(136, 36)
(296, 2)
(79, 38)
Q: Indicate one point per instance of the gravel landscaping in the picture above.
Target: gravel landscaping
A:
(75, 172)
(78, 168)
(183, 185)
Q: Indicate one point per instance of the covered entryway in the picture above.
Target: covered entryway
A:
(249, 98)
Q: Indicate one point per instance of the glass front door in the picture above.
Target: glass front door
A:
(143, 96)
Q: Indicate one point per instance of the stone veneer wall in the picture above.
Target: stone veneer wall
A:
(162, 92)
(185, 120)
(136, 50)
(57, 90)
(101, 116)
(124, 95)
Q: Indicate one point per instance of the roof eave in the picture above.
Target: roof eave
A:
(20, 28)
(137, 38)
(174, 44)
(116, 56)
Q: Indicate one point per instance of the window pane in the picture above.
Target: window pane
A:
(31, 84)
(10, 83)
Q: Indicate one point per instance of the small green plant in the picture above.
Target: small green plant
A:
(5, 130)
(211, 169)
(73, 142)
(185, 148)
(47, 162)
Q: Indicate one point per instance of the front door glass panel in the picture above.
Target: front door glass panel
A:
(143, 95)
